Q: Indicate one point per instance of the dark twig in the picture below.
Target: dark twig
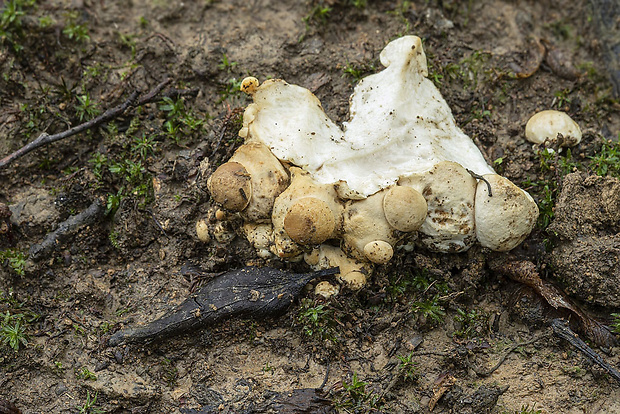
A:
(66, 228)
(108, 115)
(324, 379)
(561, 329)
(486, 373)
(481, 178)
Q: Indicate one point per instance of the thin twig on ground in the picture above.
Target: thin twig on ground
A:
(66, 229)
(486, 373)
(131, 102)
(561, 329)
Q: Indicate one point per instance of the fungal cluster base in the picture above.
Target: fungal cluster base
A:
(400, 171)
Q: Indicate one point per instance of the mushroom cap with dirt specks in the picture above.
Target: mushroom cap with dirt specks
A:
(504, 219)
(230, 186)
(546, 125)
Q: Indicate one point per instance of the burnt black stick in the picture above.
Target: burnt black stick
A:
(250, 291)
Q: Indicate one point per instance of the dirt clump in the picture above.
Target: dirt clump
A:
(587, 225)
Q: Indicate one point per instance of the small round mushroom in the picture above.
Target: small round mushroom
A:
(310, 221)
(552, 127)
(353, 273)
(505, 218)
(326, 289)
(306, 213)
(378, 251)
(249, 182)
(230, 186)
(202, 231)
(404, 208)
(249, 85)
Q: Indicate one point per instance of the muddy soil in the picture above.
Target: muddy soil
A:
(65, 62)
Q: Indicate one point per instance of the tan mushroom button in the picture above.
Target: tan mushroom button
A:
(309, 221)
(378, 251)
(553, 126)
(230, 186)
(404, 208)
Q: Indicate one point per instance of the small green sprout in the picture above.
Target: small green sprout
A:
(318, 15)
(226, 64)
(430, 309)
(86, 109)
(16, 259)
(316, 320)
(85, 374)
(356, 397)
(12, 331)
(607, 161)
(470, 323)
(74, 31)
(89, 406)
(407, 367)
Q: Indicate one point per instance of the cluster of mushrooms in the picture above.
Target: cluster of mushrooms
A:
(400, 172)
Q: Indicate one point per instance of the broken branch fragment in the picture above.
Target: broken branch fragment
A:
(251, 291)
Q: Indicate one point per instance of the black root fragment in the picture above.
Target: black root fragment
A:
(250, 291)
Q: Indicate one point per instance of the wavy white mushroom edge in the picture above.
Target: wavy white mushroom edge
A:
(369, 183)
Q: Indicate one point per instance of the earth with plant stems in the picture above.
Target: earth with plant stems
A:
(425, 326)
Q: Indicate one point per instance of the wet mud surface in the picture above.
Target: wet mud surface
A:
(425, 324)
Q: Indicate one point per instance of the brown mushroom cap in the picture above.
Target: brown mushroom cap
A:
(404, 208)
(309, 221)
(230, 186)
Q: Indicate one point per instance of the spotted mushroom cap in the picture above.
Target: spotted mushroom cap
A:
(506, 217)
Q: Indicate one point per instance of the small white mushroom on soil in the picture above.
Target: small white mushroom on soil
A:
(353, 273)
(202, 231)
(552, 127)
(326, 289)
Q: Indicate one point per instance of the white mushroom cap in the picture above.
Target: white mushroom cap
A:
(506, 218)
(545, 126)
(449, 191)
